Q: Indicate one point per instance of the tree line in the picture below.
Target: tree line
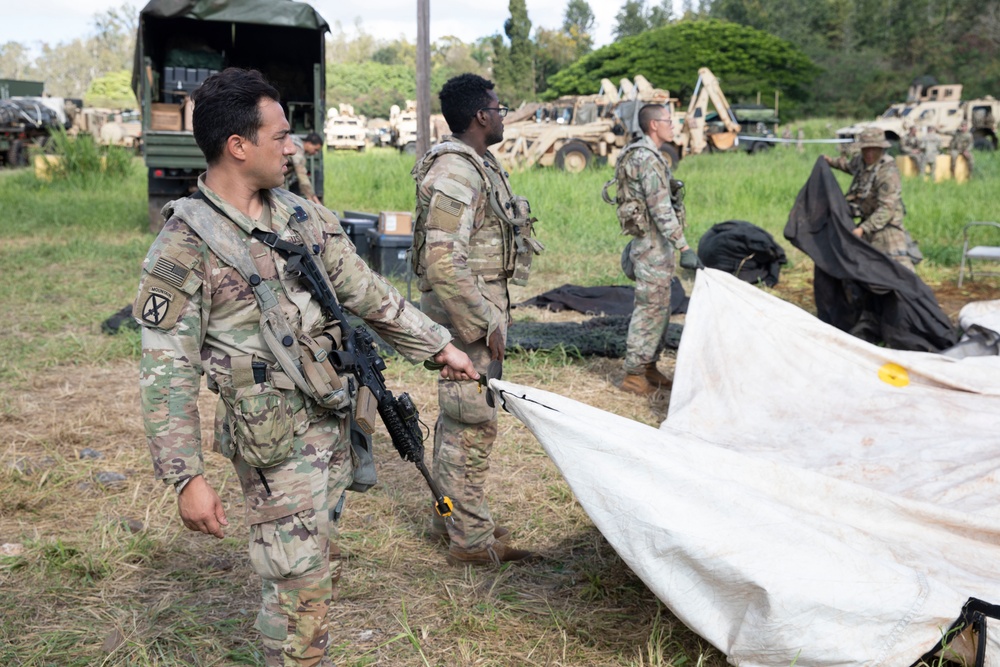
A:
(828, 57)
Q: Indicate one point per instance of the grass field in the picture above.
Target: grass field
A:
(98, 569)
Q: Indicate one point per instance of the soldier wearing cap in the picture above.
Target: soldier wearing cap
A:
(875, 195)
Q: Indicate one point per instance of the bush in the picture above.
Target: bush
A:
(746, 61)
(82, 160)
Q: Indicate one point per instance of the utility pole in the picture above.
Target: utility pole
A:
(423, 76)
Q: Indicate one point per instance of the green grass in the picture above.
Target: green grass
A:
(71, 253)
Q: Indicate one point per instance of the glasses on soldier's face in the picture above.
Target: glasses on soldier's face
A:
(501, 111)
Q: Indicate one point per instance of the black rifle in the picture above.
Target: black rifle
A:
(360, 357)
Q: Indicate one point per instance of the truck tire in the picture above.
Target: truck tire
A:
(574, 157)
(16, 155)
(984, 142)
(671, 155)
(410, 148)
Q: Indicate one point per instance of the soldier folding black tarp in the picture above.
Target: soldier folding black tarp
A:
(851, 274)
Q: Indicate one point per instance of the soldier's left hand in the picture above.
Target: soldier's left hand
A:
(857, 231)
(457, 365)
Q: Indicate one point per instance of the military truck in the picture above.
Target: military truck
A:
(181, 42)
(344, 130)
(938, 105)
(26, 122)
(574, 131)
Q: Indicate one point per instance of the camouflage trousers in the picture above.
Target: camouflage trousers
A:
(653, 258)
(969, 162)
(892, 241)
(463, 440)
(293, 541)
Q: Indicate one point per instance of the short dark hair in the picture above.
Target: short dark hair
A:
(228, 103)
(313, 138)
(462, 97)
(649, 113)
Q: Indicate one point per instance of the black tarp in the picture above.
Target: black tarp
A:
(601, 300)
(852, 277)
(743, 250)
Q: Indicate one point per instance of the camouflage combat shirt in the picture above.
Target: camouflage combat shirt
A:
(875, 192)
(461, 254)
(648, 178)
(299, 173)
(196, 312)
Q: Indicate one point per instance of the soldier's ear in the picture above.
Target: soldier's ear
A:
(236, 147)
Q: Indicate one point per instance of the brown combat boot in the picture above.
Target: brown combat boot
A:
(500, 534)
(495, 554)
(637, 384)
(655, 377)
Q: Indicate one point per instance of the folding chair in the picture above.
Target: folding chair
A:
(979, 252)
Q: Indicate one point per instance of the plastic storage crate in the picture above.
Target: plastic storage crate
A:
(389, 252)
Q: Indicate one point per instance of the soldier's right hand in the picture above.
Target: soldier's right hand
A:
(201, 508)
(497, 346)
(690, 260)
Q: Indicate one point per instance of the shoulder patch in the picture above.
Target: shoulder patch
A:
(159, 304)
(445, 213)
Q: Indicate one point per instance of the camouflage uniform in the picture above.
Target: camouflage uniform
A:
(932, 146)
(199, 316)
(464, 255)
(912, 145)
(298, 180)
(646, 176)
(876, 196)
(961, 144)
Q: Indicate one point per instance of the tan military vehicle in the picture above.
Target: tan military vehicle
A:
(110, 127)
(344, 130)
(403, 127)
(572, 131)
(938, 105)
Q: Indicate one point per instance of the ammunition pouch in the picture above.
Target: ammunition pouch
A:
(327, 388)
(262, 425)
(525, 246)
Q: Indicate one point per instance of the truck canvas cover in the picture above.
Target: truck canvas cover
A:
(812, 499)
(285, 13)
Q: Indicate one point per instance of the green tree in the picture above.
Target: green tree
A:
(111, 90)
(745, 60)
(554, 50)
(513, 64)
(630, 19)
(578, 25)
(15, 62)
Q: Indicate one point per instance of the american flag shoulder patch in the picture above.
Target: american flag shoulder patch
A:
(170, 272)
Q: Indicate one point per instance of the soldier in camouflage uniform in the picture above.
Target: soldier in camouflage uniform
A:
(932, 146)
(645, 211)
(471, 236)
(912, 146)
(961, 144)
(299, 181)
(200, 316)
(875, 196)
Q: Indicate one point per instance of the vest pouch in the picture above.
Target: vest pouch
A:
(327, 389)
(262, 425)
(363, 460)
(632, 218)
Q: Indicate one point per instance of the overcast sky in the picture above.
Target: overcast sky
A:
(54, 21)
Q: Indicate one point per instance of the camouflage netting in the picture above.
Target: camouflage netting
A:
(599, 336)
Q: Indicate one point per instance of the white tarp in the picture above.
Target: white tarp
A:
(811, 499)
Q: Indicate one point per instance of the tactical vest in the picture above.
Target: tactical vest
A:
(302, 358)
(632, 212)
(506, 225)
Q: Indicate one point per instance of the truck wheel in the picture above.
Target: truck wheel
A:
(410, 148)
(671, 155)
(574, 157)
(16, 156)
(984, 142)
(759, 147)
